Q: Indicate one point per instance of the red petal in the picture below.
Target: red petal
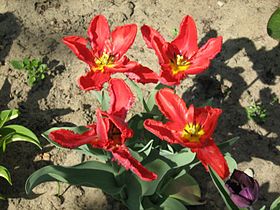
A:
(186, 41)
(69, 139)
(212, 47)
(210, 155)
(172, 106)
(123, 156)
(102, 127)
(79, 46)
(93, 80)
(122, 38)
(154, 41)
(98, 32)
(121, 98)
(142, 74)
(162, 131)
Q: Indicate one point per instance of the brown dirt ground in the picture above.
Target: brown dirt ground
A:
(246, 70)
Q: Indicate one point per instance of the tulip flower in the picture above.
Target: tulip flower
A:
(190, 127)
(181, 57)
(109, 132)
(106, 54)
(244, 189)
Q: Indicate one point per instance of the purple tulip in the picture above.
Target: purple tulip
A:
(244, 189)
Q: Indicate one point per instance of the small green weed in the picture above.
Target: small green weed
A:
(257, 112)
(36, 70)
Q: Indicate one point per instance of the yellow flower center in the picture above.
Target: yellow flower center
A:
(192, 132)
(179, 64)
(105, 60)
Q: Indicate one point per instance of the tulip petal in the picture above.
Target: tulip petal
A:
(162, 131)
(239, 201)
(122, 38)
(154, 41)
(125, 159)
(102, 127)
(212, 47)
(69, 139)
(186, 41)
(172, 106)
(78, 45)
(98, 32)
(121, 98)
(142, 74)
(93, 80)
(210, 155)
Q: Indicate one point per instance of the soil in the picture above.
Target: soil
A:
(247, 70)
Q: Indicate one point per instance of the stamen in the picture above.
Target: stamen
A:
(179, 64)
(192, 132)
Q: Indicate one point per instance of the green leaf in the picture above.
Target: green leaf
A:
(228, 143)
(26, 62)
(220, 185)
(184, 188)
(182, 158)
(97, 95)
(7, 115)
(263, 208)
(17, 64)
(20, 133)
(5, 174)
(276, 204)
(89, 174)
(35, 62)
(273, 25)
(231, 162)
(136, 89)
(172, 204)
(105, 100)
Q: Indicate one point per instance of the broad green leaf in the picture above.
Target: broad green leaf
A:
(220, 185)
(228, 143)
(89, 174)
(5, 174)
(7, 115)
(17, 64)
(276, 204)
(184, 188)
(20, 133)
(231, 162)
(105, 100)
(97, 95)
(172, 204)
(182, 158)
(134, 192)
(136, 89)
(273, 25)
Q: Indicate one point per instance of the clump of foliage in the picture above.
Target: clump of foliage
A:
(36, 69)
(257, 112)
(12, 133)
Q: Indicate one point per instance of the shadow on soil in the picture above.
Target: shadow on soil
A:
(211, 87)
(19, 157)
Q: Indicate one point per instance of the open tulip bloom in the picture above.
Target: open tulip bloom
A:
(190, 127)
(150, 173)
(109, 132)
(182, 56)
(107, 54)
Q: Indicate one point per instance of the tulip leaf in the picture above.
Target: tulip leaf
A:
(105, 100)
(172, 204)
(231, 162)
(136, 89)
(7, 115)
(89, 174)
(97, 95)
(184, 188)
(228, 143)
(273, 25)
(220, 185)
(276, 204)
(5, 174)
(18, 133)
(182, 158)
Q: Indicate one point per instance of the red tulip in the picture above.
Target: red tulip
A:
(107, 54)
(190, 127)
(109, 132)
(182, 56)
